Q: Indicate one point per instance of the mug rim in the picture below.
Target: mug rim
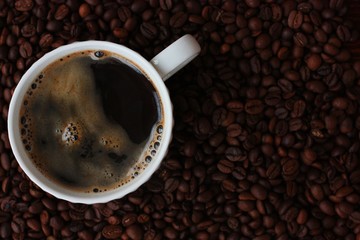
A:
(27, 164)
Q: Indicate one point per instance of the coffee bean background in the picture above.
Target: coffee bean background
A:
(267, 120)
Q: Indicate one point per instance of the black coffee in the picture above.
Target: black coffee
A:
(91, 121)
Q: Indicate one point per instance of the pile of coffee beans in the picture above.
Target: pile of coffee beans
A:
(267, 120)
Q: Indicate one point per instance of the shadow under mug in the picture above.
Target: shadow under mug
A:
(160, 68)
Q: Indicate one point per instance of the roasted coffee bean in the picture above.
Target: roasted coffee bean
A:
(300, 39)
(24, 5)
(277, 12)
(304, 7)
(54, 26)
(253, 3)
(84, 10)
(327, 207)
(225, 166)
(5, 161)
(112, 232)
(61, 12)
(171, 184)
(262, 41)
(46, 40)
(56, 222)
(355, 217)
(134, 232)
(25, 50)
(166, 4)
(316, 86)
(259, 192)
(149, 30)
(299, 109)
(129, 219)
(234, 130)
(28, 30)
(295, 19)
(343, 33)
(235, 154)
(254, 106)
(178, 20)
(313, 61)
(290, 168)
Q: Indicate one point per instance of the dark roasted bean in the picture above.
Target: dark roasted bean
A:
(24, 5)
(111, 231)
(295, 19)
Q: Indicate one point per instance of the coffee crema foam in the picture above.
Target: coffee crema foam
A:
(70, 132)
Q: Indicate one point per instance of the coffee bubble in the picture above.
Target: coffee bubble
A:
(71, 134)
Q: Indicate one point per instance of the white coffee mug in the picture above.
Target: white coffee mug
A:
(160, 68)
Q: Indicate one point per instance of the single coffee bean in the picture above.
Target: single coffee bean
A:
(254, 106)
(171, 184)
(56, 222)
(5, 161)
(327, 207)
(235, 154)
(320, 36)
(355, 217)
(84, 10)
(228, 17)
(317, 192)
(28, 30)
(344, 191)
(225, 166)
(54, 26)
(277, 12)
(258, 191)
(111, 231)
(275, 30)
(336, 4)
(300, 39)
(134, 232)
(315, 18)
(229, 185)
(178, 19)
(235, 106)
(33, 224)
(149, 30)
(46, 40)
(253, 3)
(121, 32)
(61, 12)
(295, 19)
(299, 109)
(308, 156)
(304, 7)
(138, 6)
(25, 50)
(166, 4)
(283, 53)
(234, 130)
(262, 41)
(24, 5)
(5, 230)
(331, 49)
(343, 33)
(128, 219)
(313, 61)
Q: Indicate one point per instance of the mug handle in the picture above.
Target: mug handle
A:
(176, 56)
